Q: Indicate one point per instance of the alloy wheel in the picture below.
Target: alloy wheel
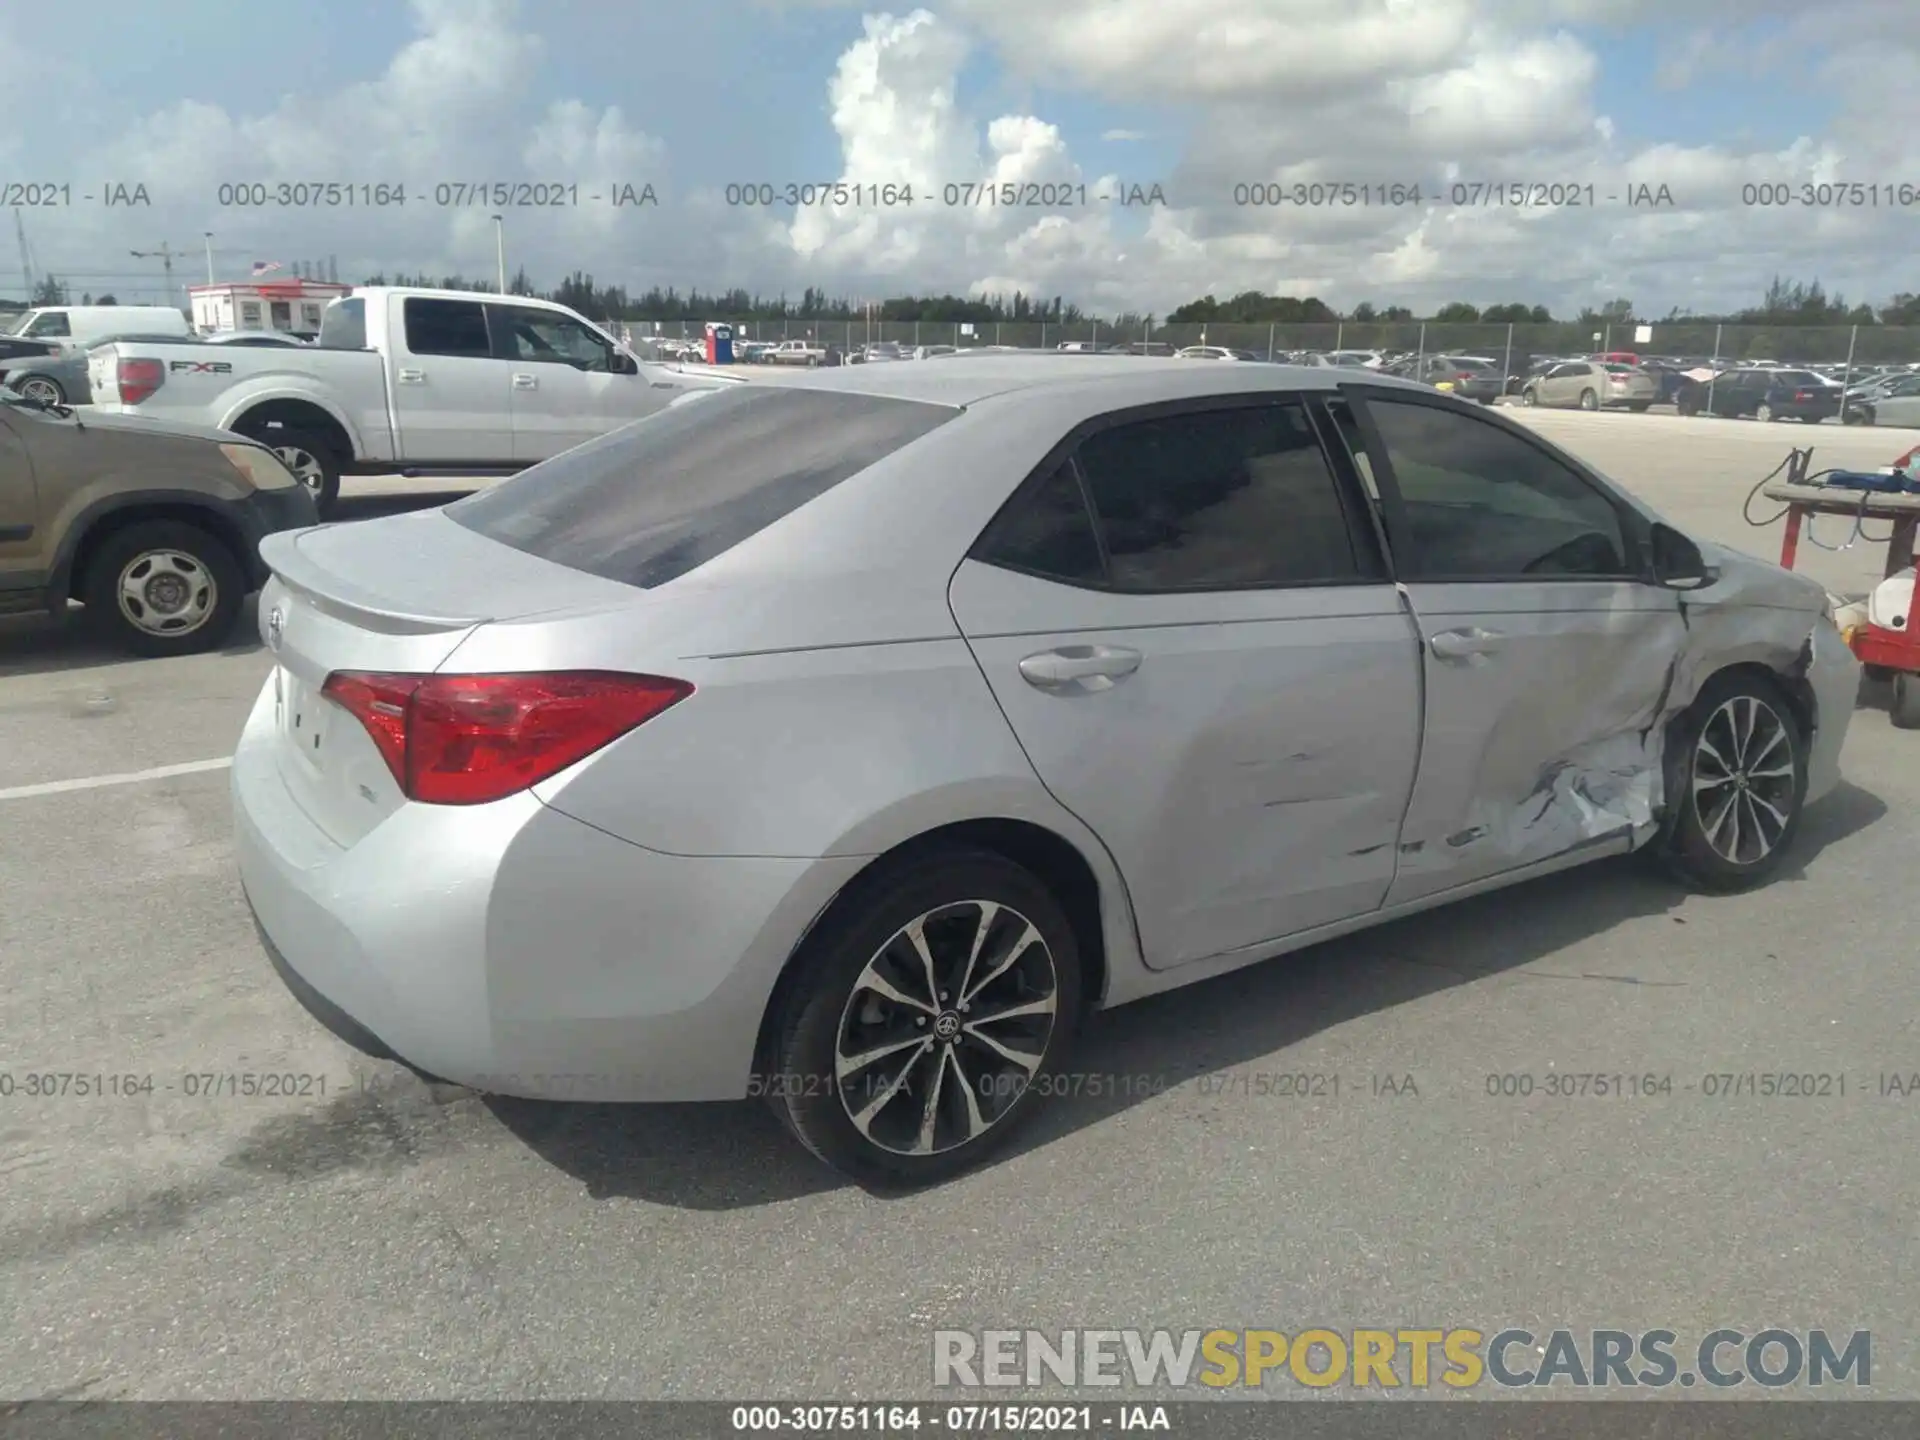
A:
(1744, 777)
(945, 1027)
(167, 593)
(43, 390)
(305, 466)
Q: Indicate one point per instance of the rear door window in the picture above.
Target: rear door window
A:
(658, 498)
(447, 327)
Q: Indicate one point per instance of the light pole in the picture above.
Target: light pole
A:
(208, 237)
(500, 251)
(166, 254)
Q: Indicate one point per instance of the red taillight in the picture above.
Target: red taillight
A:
(139, 379)
(470, 739)
(1803, 395)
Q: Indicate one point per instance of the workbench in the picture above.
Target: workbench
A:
(1892, 654)
(1902, 511)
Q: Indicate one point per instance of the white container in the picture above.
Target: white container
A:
(1892, 601)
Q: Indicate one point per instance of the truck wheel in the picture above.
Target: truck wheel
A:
(310, 457)
(314, 465)
(163, 587)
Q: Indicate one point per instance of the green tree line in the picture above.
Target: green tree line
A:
(1785, 303)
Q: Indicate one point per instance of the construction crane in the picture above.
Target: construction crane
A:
(26, 256)
(166, 254)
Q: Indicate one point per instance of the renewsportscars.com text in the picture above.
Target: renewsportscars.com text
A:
(1456, 1358)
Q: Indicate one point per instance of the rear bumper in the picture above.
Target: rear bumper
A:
(514, 950)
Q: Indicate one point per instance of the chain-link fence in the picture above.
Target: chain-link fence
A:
(1513, 346)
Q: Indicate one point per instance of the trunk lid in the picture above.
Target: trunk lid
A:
(393, 595)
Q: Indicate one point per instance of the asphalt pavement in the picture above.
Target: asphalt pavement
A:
(349, 1232)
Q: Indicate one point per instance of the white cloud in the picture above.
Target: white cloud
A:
(1369, 92)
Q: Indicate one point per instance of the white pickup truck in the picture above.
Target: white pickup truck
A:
(405, 381)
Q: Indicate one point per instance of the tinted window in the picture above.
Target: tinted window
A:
(344, 325)
(660, 497)
(1047, 531)
(1482, 502)
(1224, 499)
(544, 337)
(446, 327)
(53, 323)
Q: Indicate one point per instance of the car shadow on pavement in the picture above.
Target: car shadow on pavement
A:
(43, 645)
(728, 1156)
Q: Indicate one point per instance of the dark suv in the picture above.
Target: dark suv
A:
(1763, 394)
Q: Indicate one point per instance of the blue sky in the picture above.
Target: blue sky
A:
(696, 96)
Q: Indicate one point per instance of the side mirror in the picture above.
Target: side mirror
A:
(1677, 561)
(625, 365)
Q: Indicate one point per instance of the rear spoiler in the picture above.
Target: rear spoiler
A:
(332, 595)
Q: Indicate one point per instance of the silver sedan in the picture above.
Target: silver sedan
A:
(844, 740)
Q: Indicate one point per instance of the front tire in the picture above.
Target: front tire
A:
(163, 587)
(1736, 783)
(926, 1020)
(1529, 397)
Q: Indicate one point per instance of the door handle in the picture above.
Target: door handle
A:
(1087, 668)
(1470, 644)
(412, 377)
(525, 382)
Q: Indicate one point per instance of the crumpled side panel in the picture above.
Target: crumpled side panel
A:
(1560, 741)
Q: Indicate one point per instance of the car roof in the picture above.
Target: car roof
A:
(1122, 379)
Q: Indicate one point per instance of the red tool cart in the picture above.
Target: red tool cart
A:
(1889, 651)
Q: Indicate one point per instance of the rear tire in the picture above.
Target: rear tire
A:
(1589, 400)
(1529, 397)
(1736, 776)
(1764, 414)
(845, 1001)
(163, 587)
(310, 456)
(44, 388)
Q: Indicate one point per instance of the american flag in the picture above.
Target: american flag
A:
(266, 267)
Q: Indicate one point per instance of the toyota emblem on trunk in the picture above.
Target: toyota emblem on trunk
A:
(276, 626)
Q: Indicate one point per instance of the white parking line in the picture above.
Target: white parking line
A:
(96, 782)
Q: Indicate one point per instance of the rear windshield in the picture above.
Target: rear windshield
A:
(343, 325)
(649, 502)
